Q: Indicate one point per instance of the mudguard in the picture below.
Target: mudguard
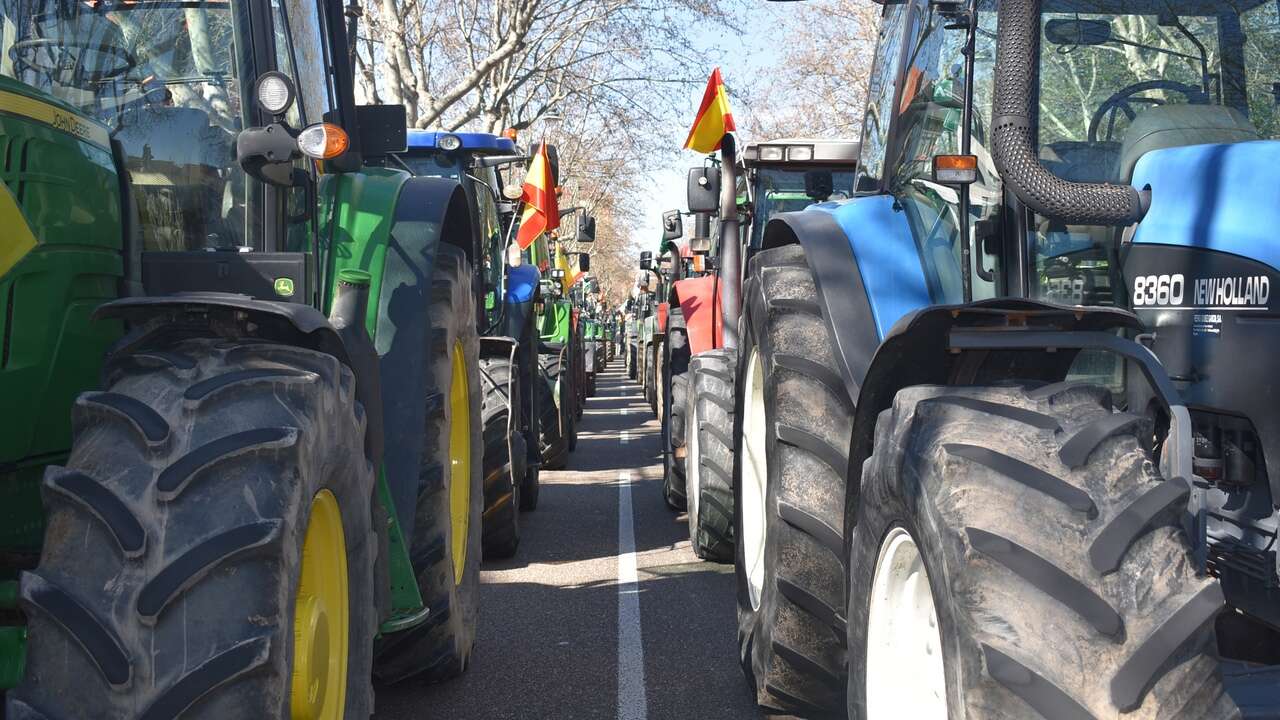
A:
(400, 257)
(699, 300)
(664, 309)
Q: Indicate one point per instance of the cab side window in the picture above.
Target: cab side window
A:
(879, 114)
(930, 122)
(311, 50)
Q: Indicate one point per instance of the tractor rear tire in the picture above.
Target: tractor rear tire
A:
(504, 457)
(651, 377)
(440, 648)
(709, 462)
(672, 388)
(170, 578)
(673, 477)
(631, 361)
(555, 406)
(1051, 552)
(793, 421)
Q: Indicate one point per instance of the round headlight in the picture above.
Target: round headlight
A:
(274, 92)
(449, 143)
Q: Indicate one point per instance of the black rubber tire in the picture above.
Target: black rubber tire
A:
(673, 475)
(1063, 582)
(791, 645)
(504, 457)
(173, 549)
(708, 423)
(631, 361)
(651, 377)
(557, 414)
(440, 648)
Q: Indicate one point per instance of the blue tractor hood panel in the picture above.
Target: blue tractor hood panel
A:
(886, 254)
(1216, 197)
(479, 143)
(521, 283)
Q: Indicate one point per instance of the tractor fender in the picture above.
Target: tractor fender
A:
(699, 301)
(664, 309)
(158, 319)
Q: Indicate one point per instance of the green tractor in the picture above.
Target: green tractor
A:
(274, 495)
(508, 345)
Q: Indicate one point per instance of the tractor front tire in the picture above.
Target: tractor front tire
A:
(1016, 554)
(555, 405)
(446, 545)
(709, 458)
(504, 457)
(210, 536)
(793, 420)
(673, 476)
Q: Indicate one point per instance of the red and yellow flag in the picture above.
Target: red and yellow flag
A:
(571, 272)
(714, 120)
(541, 214)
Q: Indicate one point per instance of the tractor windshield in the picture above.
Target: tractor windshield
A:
(779, 190)
(165, 78)
(1121, 79)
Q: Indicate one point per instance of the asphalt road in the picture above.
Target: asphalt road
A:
(605, 612)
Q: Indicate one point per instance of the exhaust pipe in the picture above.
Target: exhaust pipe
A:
(1014, 125)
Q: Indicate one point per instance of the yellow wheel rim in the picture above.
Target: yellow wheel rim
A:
(459, 460)
(320, 618)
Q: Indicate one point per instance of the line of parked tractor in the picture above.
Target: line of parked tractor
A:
(275, 376)
(978, 416)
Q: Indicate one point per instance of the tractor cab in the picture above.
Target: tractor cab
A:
(475, 161)
(791, 174)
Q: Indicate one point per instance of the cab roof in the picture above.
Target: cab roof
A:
(480, 143)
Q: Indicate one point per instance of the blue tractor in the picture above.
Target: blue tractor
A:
(1007, 439)
(508, 341)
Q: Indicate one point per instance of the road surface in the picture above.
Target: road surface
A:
(605, 612)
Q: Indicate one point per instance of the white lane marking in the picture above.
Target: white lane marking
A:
(632, 704)
(625, 437)
(622, 411)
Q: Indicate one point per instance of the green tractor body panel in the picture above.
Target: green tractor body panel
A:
(61, 257)
(358, 211)
(555, 323)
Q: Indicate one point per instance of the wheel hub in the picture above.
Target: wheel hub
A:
(905, 675)
(320, 618)
(459, 460)
(754, 481)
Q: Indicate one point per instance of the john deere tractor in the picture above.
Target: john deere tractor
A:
(509, 372)
(240, 473)
(969, 481)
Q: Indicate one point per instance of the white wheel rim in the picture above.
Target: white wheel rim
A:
(905, 677)
(692, 464)
(754, 480)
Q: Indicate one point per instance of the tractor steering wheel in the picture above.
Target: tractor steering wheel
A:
(1124, 100)
(70, 65)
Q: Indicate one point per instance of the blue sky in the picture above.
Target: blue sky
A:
(741, 58)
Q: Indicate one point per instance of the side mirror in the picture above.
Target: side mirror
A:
(646, 260)
(819, 185)
(586, 229)
(672, 225)
(584, 262)
(704, 189)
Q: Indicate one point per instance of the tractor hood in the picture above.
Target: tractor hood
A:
(1224, 198)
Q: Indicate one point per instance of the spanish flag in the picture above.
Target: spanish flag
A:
(571, 273)
(714, 120)
(540, 211)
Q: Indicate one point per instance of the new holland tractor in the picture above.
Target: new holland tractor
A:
(969, 481)
(771, 177)
(240, 473)
(509, 372)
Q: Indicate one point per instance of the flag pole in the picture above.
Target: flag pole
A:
(730, 269)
